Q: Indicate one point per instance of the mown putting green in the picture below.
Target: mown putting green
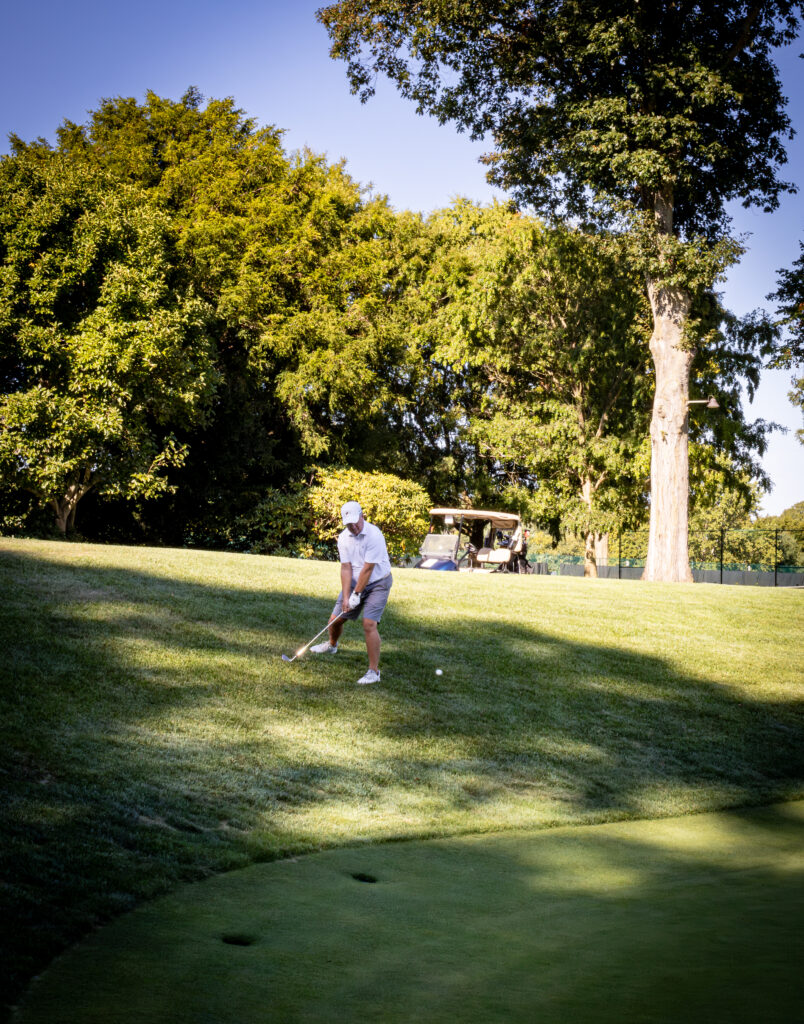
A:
(688, 919)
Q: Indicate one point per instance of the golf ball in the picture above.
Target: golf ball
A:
(439, 672)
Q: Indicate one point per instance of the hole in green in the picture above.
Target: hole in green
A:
(238, 940)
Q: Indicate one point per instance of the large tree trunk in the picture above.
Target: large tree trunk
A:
(589, 559)
(596, 553)
(62, 515)
(668, 557)
(596, 545)
(66, 506)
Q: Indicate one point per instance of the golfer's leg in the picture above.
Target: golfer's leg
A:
(335, 629)
(372, 643)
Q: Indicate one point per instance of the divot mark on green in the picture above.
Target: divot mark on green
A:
(238, 940)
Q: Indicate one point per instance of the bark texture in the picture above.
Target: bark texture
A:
(596, 545)
(66, 507)
(668, 554)
(596, 553)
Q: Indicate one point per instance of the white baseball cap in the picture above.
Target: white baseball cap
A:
(351, 512)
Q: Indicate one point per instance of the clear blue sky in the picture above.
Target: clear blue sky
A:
(60, 59)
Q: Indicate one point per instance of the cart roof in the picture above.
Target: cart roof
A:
(500, 520)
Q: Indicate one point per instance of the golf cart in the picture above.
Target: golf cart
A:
(471, 540)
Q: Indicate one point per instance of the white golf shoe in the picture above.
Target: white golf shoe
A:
(324, 648)
(372, 676)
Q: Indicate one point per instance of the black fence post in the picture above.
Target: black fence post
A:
(620, 555)
(722, 533)
(775, 558)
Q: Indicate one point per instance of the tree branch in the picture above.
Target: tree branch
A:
(744, 37)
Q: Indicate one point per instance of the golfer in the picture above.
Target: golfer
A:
(365, 584)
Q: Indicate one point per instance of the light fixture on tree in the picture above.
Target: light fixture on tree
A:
(711, 402)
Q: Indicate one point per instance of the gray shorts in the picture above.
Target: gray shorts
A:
(373, 604)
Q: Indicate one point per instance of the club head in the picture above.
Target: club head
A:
(286, 658)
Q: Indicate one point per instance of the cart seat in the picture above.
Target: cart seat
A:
(494, 556)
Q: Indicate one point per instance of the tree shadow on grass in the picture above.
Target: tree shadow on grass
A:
(151, 735)
(609, 728)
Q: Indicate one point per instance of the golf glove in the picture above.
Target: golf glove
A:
(354, 600)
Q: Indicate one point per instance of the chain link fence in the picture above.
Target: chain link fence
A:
(758, 557)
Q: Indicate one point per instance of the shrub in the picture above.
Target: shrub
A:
(280, 524)
(398, 507)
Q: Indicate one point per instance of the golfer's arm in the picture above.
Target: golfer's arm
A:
(346, 581)
(364, 577)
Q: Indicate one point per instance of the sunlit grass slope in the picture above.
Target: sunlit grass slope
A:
(150, 732)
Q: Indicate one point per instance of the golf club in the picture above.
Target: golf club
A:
(301, 650)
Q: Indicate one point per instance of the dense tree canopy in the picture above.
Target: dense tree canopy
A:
(555, 321)
(548, 327)
(669, 102)
(290, 263)
(660, 113)
(195, 326)
(104, 355)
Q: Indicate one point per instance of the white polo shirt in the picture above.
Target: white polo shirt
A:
(367, 546)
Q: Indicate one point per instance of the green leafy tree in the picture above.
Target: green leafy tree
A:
(279, 524)
(547, 327)
(304, 273)
(398, 507)
(721, 496)
(792, 518)
(105, 353)
(724, 520)
(790, 353)
(790, 535)
(554, 322)
(304, 521)
(658, 113)
(227, 188)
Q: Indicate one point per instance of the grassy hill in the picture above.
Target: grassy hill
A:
(151, 734)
